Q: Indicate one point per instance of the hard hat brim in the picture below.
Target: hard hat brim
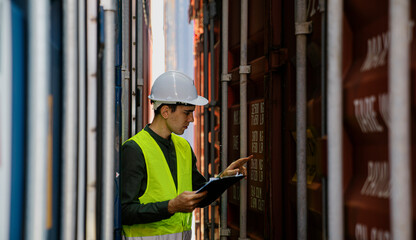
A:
(199, 101)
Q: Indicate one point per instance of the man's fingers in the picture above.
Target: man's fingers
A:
(198, 198)
(242, 170)
(242, 161)
(235, 171)
(200, 195)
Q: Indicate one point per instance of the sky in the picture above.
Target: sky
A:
(158, 58)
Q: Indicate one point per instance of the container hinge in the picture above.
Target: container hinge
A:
(125, 74)
(245, 69)
(225, 232)
(225, 77)
(303, 28)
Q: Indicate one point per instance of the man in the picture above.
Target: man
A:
(158, 169)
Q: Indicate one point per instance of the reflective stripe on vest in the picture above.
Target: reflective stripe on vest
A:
(187, 235)
(161, 187)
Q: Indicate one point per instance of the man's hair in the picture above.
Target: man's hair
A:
(171, 106)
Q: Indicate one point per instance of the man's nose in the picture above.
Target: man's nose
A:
(191, 117)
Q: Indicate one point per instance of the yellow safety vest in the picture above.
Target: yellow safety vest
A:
(161, 187)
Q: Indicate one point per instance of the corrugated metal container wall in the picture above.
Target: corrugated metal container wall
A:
(147, 39)
(366, 118)
(315, 124)
(271, 210)
(203, 86)
(198, 116)
(256, 190)
(266, 58)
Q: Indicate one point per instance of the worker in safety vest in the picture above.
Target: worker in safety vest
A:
(158, 169)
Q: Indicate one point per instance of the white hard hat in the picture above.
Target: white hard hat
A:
(175, 87)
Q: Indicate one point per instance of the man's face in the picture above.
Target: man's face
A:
(179, 120)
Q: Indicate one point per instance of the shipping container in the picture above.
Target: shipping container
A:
(272, 114)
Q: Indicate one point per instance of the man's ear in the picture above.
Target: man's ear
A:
(164, 111)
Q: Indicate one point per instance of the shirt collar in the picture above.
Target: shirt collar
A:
(158, 138)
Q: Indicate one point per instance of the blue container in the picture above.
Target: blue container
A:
(18, 121)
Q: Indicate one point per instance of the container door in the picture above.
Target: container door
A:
(366, 118)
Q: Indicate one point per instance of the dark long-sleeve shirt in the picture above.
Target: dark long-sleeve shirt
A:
(134, 181)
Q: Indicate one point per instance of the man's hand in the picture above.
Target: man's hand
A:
(185, 202)
(236, 167)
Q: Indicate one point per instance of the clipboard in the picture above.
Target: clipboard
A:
(216, 186)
